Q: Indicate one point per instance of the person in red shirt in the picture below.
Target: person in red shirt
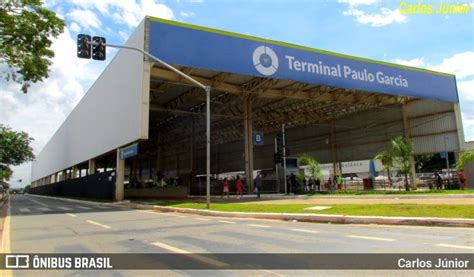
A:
(462, 178)
(238, 187)
(225, 190)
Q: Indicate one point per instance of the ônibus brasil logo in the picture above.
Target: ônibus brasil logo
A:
(265, 60)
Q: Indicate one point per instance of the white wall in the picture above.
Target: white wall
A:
(114, 112)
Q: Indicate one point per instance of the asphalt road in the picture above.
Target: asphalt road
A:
(44, 225)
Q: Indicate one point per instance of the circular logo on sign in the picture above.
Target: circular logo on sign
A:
(265, 60)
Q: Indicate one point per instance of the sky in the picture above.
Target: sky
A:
(366, 28)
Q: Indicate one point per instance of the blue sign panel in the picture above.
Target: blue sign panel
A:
(443, 155)
(129, 151)
(257, 138)
(193, 46)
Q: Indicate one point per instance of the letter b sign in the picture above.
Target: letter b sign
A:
(257, 138)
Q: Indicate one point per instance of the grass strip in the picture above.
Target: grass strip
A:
(408, 210)
(391, 192)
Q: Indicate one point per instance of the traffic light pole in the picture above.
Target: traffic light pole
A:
(284, 160)
(208, 110)
(276, 165)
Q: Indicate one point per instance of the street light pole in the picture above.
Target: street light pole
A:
(276, 165)
(284, 158)
(208, 110)
(208, 146)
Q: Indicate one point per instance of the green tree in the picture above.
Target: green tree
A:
(5, 173)
(387, 159)
(26, 29)
(314, 168)
(401, 147)
(466, 157)
(15, 149)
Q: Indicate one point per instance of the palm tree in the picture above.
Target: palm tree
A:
(315, 170)
(387, 159)
(401, 147)
(464, 158)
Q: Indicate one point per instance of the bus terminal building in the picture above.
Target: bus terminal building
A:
(141, 123)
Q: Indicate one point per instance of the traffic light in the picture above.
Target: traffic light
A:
(83, 46)
(278, 159)
(98, 48)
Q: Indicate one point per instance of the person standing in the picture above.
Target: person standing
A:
(340, 182)
(330, 184)
(439, 181)
(293, 182)
(258, 184)
(238, 187)
(462, 179)
(318, 183)
(225, 189)
(311, 184)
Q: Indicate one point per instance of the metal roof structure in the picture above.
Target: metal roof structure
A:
(173, 103)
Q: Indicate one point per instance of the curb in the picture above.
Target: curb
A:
(315, 218)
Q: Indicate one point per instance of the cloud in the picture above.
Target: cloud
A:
(127, 12)
(354, 3)
(460, 64)
(384, 17)
(466, 89)
(74, 27)
(123, 35)
(416, 62)
(468, 125)
(186, 14)
(85, 18)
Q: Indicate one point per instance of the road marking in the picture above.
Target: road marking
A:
(6, 243)
(273, 272)
(38, 202)
(455, 246)
(44, 209)
(258, 225)
(24, 210)
(370, 238)
(71, 215)
(228, 222)
(98, 224)
(170, 248)
(202, 219)
(65, 208)
(182, 251)
(84, 208)
(6, 230)
(305, 231)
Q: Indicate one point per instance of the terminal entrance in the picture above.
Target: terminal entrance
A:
(331, 124)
